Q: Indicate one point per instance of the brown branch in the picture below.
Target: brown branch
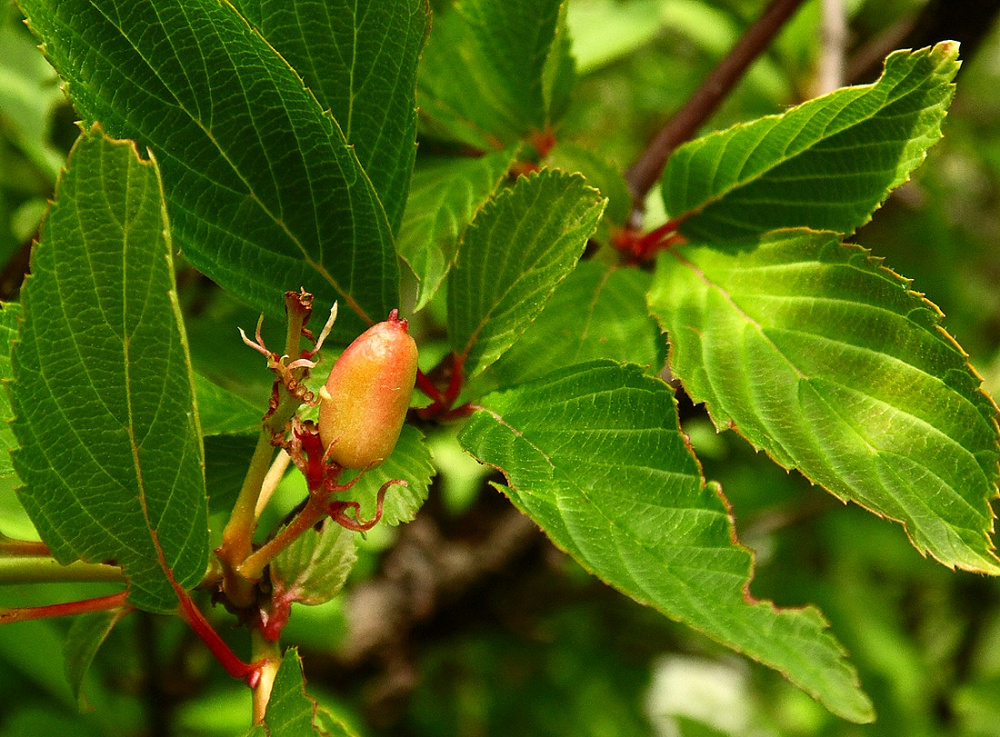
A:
(647, 169)
(423, 570)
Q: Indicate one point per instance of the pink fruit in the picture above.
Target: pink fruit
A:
(367, 394)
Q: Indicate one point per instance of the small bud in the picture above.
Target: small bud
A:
(367, 394)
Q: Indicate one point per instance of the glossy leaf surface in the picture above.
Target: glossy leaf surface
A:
(829, 362)
(594, 455)
(826, 164)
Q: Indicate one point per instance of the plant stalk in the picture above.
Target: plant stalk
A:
(98, 604)
(48, 570)
(269, 655)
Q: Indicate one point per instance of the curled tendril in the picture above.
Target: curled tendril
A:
(339, 509)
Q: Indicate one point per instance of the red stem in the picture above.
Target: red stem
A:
(443, 401)
(98, 604)
(648, 168)
(249, 672)
(425, 385)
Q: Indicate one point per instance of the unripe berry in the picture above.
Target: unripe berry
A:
(367, 394)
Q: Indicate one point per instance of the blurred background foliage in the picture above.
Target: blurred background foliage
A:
(490, 630)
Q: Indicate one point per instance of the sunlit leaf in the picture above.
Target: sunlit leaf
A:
(444, 195)
(594, 455)
(826, 164)
(409, 462)
(513, 255)
(829, 362)
(596, 312)
(9, 316)
(490, 71)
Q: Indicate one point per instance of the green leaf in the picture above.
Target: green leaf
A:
(360, 60)
(514, 254)
(826, 164)
(826, 360)
(486, 78)
(265, 193)
(223, 413)
(227, 458)
(594, 455)
(411, 462)
(111, 455)
(85, 637)
(601, 174)
(596, 312)
(28, 96)
(444, 195)
(10, 315)
(313, 569)
(290, 712)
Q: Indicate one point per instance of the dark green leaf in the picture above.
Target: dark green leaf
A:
(290, 712)
(85, 637)
(826, 164)
(111, 455)
(514, 254)
(9, 316)
(265, 194)
(820, 356)
(222, 412)
(594, 455)
(444, 195)
(597, 312)
(227, 458)
(485, 79)
(360, 60)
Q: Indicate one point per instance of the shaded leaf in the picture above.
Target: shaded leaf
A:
(265, 193)
(110, 455)
(9, 317)
(826, 360)
(28, 96)
(85, 637)
(360, 60)
(594, 455)
(227, 458)
(290, 712)
(596, 312)
(223, 413)
(826, 164)
(601, 174)
(486, 79)
(444, 195)
(514, 254)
